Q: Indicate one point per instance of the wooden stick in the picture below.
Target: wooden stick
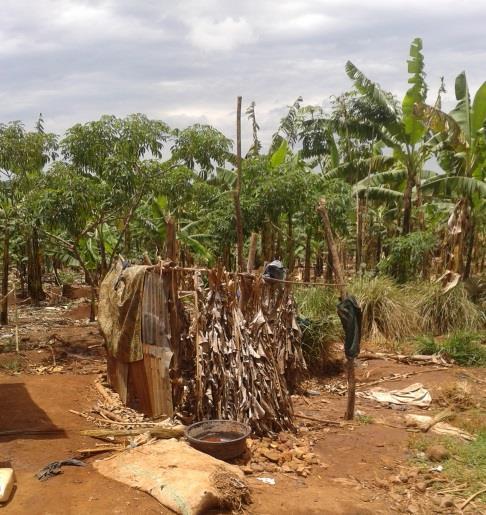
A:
(469, 499)
(320, 420)
(104, 393)
(336, 263)
(339, 275)
(16, 319)
(349, 415)
(237, 191)
(111, 416)
(159, 432)
(101, 448)
(443, 415)
(399, 377)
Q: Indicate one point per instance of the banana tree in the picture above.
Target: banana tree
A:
(460, 147)
(401, 129)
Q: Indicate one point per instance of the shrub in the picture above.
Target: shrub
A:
(464, 348)
(442, 313)
(389, 311)
(408, 255)
(320, 325)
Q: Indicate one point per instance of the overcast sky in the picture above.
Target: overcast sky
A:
(185, 61)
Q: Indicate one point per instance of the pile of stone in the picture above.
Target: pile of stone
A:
(285, 454)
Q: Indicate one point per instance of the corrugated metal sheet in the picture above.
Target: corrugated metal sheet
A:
(152, 377)
(155, 314)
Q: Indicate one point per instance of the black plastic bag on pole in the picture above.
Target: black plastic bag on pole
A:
(351, 317)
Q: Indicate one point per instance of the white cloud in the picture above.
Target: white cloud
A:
(186, 61)
(225, 35)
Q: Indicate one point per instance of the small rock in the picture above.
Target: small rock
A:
(436, 500)
(298, 453)
(271, 467)
(421, 487)
(257, 467)
(286, 456)
(294, 465)
(403, 478)
(271, 455)
(381, 483)
(437, 453)
(447, 502)
(246, 470)
(395, 480)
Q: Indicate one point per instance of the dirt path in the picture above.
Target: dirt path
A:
(355, 459)
(43, 403)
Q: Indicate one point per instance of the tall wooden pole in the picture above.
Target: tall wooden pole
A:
(6, 263)
(338, 274)
(237, 191)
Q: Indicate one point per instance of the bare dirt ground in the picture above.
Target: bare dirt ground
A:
(364, 468)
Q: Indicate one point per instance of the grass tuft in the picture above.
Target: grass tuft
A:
(389, 313)
(465, 348)
(442, 313)
(320, 325)
(467, 463)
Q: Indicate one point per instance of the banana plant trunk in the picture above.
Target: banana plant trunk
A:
(470, 241)
(5, 270)
(359, 232)
(407, 204)
(460, 240)
(290, 244)
(319, 266)
(329, 266)
(34, 269)
(307, 256)
(252, 252)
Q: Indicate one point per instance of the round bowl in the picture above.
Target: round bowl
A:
(222, 439)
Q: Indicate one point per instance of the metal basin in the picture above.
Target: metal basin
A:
(223, 439)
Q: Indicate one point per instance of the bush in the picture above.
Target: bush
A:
(442, 313)
(320, 325)
(408, 255)
(389, 311)
(464, 348)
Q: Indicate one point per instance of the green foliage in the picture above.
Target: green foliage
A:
(389, 312)
(12, 366)
(408, 255)
(453, 310)
(414, 127)
(470, 463)
(319, 322)
(465, 348)
(467, 462)
(201, 146)
(364, 419)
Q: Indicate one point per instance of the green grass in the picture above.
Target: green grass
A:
(467, 462)
(319, 322)
(13, 365)
(442, 313)
(364, 419)
(465, 348)
(389, 312)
